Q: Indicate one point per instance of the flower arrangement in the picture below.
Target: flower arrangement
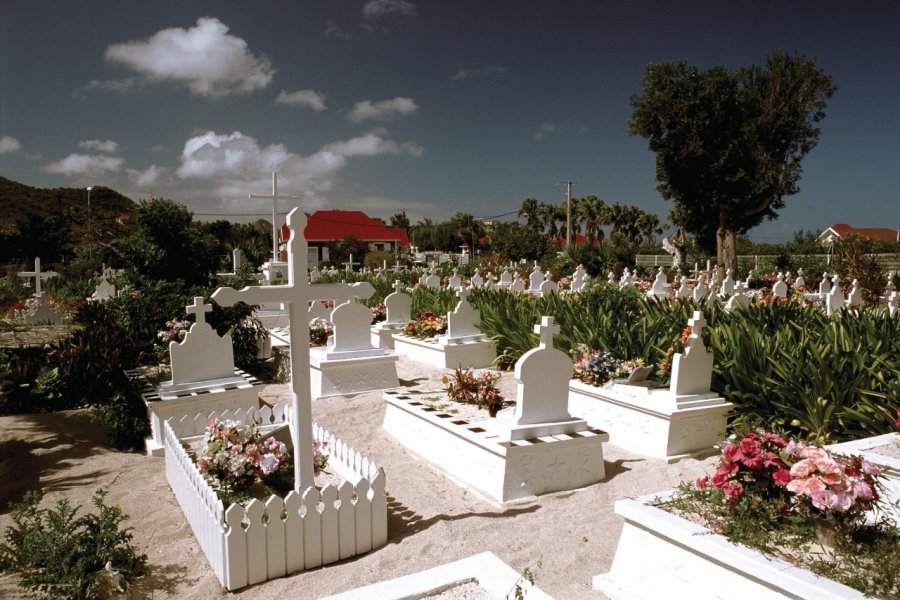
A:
(379, 313)
(464, 385)
(319, 330)
(235, 459)
(596, 367)
(175, 331)
(426, 325)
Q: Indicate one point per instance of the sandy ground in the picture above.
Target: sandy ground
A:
(431, 519)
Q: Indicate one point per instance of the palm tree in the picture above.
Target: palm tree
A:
(550, 214)
(530, 211)
(591, 210)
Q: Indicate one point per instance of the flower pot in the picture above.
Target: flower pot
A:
(493, 409)
(826, 532)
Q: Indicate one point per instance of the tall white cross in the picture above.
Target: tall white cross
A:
(296, 295)
(274, 197)
(547, 329)
(198, 309)
(349, 264)
(38, 276)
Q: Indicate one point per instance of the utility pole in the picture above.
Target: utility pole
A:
(569, 185)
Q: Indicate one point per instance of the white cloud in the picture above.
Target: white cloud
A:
(467, 73)
(119, 86)
(302, 99)
(383, 110)
(148, 176)
(545, 131)
(9, 144)
(107, 146)
(332, 30)
(379, 8)
(205, 58)
(80, 164)
(240, 165)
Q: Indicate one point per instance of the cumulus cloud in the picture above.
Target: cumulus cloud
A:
(240, 164)
(204, 58)
(545, 131)
(302, 99)
(9, 144)
(81, 164)
(107, 146)
(383, 110)
(148, 176)
(375, 9)
(468, 73)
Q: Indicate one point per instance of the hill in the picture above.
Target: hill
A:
(53, 223)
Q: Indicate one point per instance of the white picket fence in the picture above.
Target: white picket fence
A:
(261, 541)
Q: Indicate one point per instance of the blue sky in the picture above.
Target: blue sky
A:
(428, 107)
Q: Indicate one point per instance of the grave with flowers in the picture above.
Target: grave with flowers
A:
(261, 540)
(533, 448)
(463, 344)
(204, 378)
(774, 521)
(398, 310)
(682, 419)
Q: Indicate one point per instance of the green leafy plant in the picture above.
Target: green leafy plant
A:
(61, 555)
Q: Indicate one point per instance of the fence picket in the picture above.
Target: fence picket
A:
(312, 529)
(330, 532)
(363, 510)
(379, 511)
(275, 541)
(293, 533)
(235, 549)
(256, 542)
(346, 521)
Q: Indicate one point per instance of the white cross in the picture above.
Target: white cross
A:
(297, 294)
(274, 198)
(398, 287)
(349, 264)
(697, 323)
(547, 329)
(462, 293)
(199, 309)
(38, 276)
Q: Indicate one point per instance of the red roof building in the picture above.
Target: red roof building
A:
(326, 226)
(875, 234)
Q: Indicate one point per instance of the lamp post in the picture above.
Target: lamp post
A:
(90, 227)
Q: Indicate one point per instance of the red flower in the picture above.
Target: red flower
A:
(897, 422)
(733, 490)
(782, 477)
(702, 482)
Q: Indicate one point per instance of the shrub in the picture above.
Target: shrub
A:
(59, 554)
(124, 414)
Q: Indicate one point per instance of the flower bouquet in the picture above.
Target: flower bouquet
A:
(426, 325)
(319, 330)
(463, 385)
(596, 367)
(240, 464)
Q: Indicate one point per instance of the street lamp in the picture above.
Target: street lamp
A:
(90, 227)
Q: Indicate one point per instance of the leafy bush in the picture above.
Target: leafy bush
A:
(59, 554)
(124, 414)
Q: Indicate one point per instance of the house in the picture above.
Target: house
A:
(875, 234)
(327, 226)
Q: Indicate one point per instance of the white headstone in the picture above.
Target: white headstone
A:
(683, 290)
(660, 285)
(398, 306)
(824, 285)
(352, 336)
(854, 298)
(535, 280)
(692, 369)
(834, 301)
(700, 290)
(611, 278)
(455, 282)
(202, 355)
(727, 283)
(517, 284)
(780, 288)
(462, 322)
(547, 287)
(893, 304)
(432, 281)
(800, 281)
(314, 275)
(477, 280)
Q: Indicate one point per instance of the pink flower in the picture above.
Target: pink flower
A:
(814, 453)
(731, 453)
(750, 447)
(869, 468)
(733, 490)
(829, 466)
(268, 463)
(775, 440)
(863, 491)
(804, 468)
(781, 477)
(702, 483)
(805, 486)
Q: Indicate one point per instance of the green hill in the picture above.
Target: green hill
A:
(53, 223)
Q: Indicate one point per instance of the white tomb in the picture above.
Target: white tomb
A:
(43, 313)
(535, 279)
(105, 289)
(432, 281)
(477, 280)
(398, 306)
(579, 279)
(506, 279)
(349, 363)
(683, 290)
(681, 420)
(800, 281)
(548, 287)
(834, 299)
(455, 282)
(204, 379)
(854, 298)
(660, 285)
(463, 345)
(700, 290)
(533, 449)
(780, 288)
(517, 284)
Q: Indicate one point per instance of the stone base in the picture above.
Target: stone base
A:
(476, 354)
(653, 422)
(507, 471)
(661, 555)
(243, 395)
(350, 376)
(383, 335)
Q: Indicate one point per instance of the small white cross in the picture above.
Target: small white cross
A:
(398, 287)
(547, 329)
(697, 323)
(199, 309)
(462, 293)
(349, 264)
(38, 276)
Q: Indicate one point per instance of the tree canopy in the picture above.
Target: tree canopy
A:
(729, 143)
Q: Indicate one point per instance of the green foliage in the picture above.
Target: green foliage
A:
(514, 241)
(61, 555)
(729, 143)
(854, 260)
(376, 260)
(124, 415)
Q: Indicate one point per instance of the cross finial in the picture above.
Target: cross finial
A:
(462, 293)
(547, 329)
(697, 323)
(199, 309)
(398, 287)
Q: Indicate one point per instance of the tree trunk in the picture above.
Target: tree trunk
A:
(726, 249)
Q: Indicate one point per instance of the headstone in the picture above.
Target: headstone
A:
(626, 278)
(455, 282)
(38, 276)
(683, 290)
(506, 278)
(202, 355)
(547, 287)
(462, 322)
(432, 281)
(105, 289)
(611, 278)
(660, 285)
(314, 275)
(738, 299)
(780, 288)
(692, 369)
(542, 393)
(854, 298)
(535, 280)
(517, 284)
(824, 285)
(579, 279)
(727, 283)
(800, 281)
(893, 303)
(700, 290)
(398, 306)
(43, 314)
(834, 301)
(477, 280)
(351, 321)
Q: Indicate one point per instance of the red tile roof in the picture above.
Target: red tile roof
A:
(335, 225)
(876, 234)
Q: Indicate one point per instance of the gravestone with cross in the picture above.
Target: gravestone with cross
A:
(535, 280)
(824, 285)
(834, 299)
(506, 278)
(854, 298)
(455, 281)
(462, 322)
(105, 289)
(477, 280)
(548, 286)
(517, 284)
(38, 276)
(660, 285)
(683, 290)
(780, 288)
(727, 283)
(692, 368)
(296, 295)
(800, 281)
(43, 314)
(542, 394)
(398, 306)
(432, 281)
(700, 290)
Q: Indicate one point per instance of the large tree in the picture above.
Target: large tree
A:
(729, 143)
